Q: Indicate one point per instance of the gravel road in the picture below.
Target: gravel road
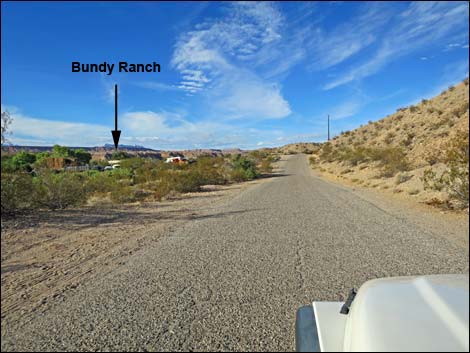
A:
(232, 280)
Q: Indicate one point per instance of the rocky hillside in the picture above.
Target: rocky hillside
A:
(420, 150)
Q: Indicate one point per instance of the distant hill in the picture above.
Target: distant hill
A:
(128, 147)
(105, 152)
(96, 148)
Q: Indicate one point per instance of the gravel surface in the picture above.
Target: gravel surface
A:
(233, 279)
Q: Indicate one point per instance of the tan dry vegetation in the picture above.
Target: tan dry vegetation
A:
(394, 153)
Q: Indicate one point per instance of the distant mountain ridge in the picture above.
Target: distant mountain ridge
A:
(94, 148)
(104, 152)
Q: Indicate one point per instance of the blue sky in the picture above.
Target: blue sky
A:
(238, 74)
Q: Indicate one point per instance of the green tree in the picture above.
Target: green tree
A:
(60, 151)
(120, 155)
(82, 156)
(21, 161)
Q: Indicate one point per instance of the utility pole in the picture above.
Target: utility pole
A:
(328, 127)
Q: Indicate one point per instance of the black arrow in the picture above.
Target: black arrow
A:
(116, 133)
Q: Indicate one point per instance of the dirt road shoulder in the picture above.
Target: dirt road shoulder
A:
(47, 255)
(452, 225)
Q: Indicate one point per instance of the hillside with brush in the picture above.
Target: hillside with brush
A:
(420, 150)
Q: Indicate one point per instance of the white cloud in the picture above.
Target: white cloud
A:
(159, 130)
(330, 48)
(452, 46)
(245, 95)
(212, 60)
(346, 109)
(158, 86)
(421, 24)
(36, 131)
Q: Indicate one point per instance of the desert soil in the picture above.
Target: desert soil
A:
(48, 255)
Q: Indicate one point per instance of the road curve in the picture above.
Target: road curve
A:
(232, 280)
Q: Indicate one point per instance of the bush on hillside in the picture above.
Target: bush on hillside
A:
(391, 159)
(454, 179)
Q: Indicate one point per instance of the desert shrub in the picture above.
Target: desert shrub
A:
(451, 88)
(244, 168)
(187, 181)
(438, 124)
(326, 152)
(176, 181)
(354, 156)
(460, 110)
(454, 179)
(17, 192)
(257, 156)
(389, 138)
(127, 194)
(135, 163)
(238, 175)
(413, 108)
(409, 139)
(211, 170)
(432, 157)
(145, 171)
(266, 166)
(99, 182)
(59, 190)
(391, 159)
(402, 178)
(424, 101)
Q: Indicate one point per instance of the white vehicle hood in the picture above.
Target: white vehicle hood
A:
(428, 313)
